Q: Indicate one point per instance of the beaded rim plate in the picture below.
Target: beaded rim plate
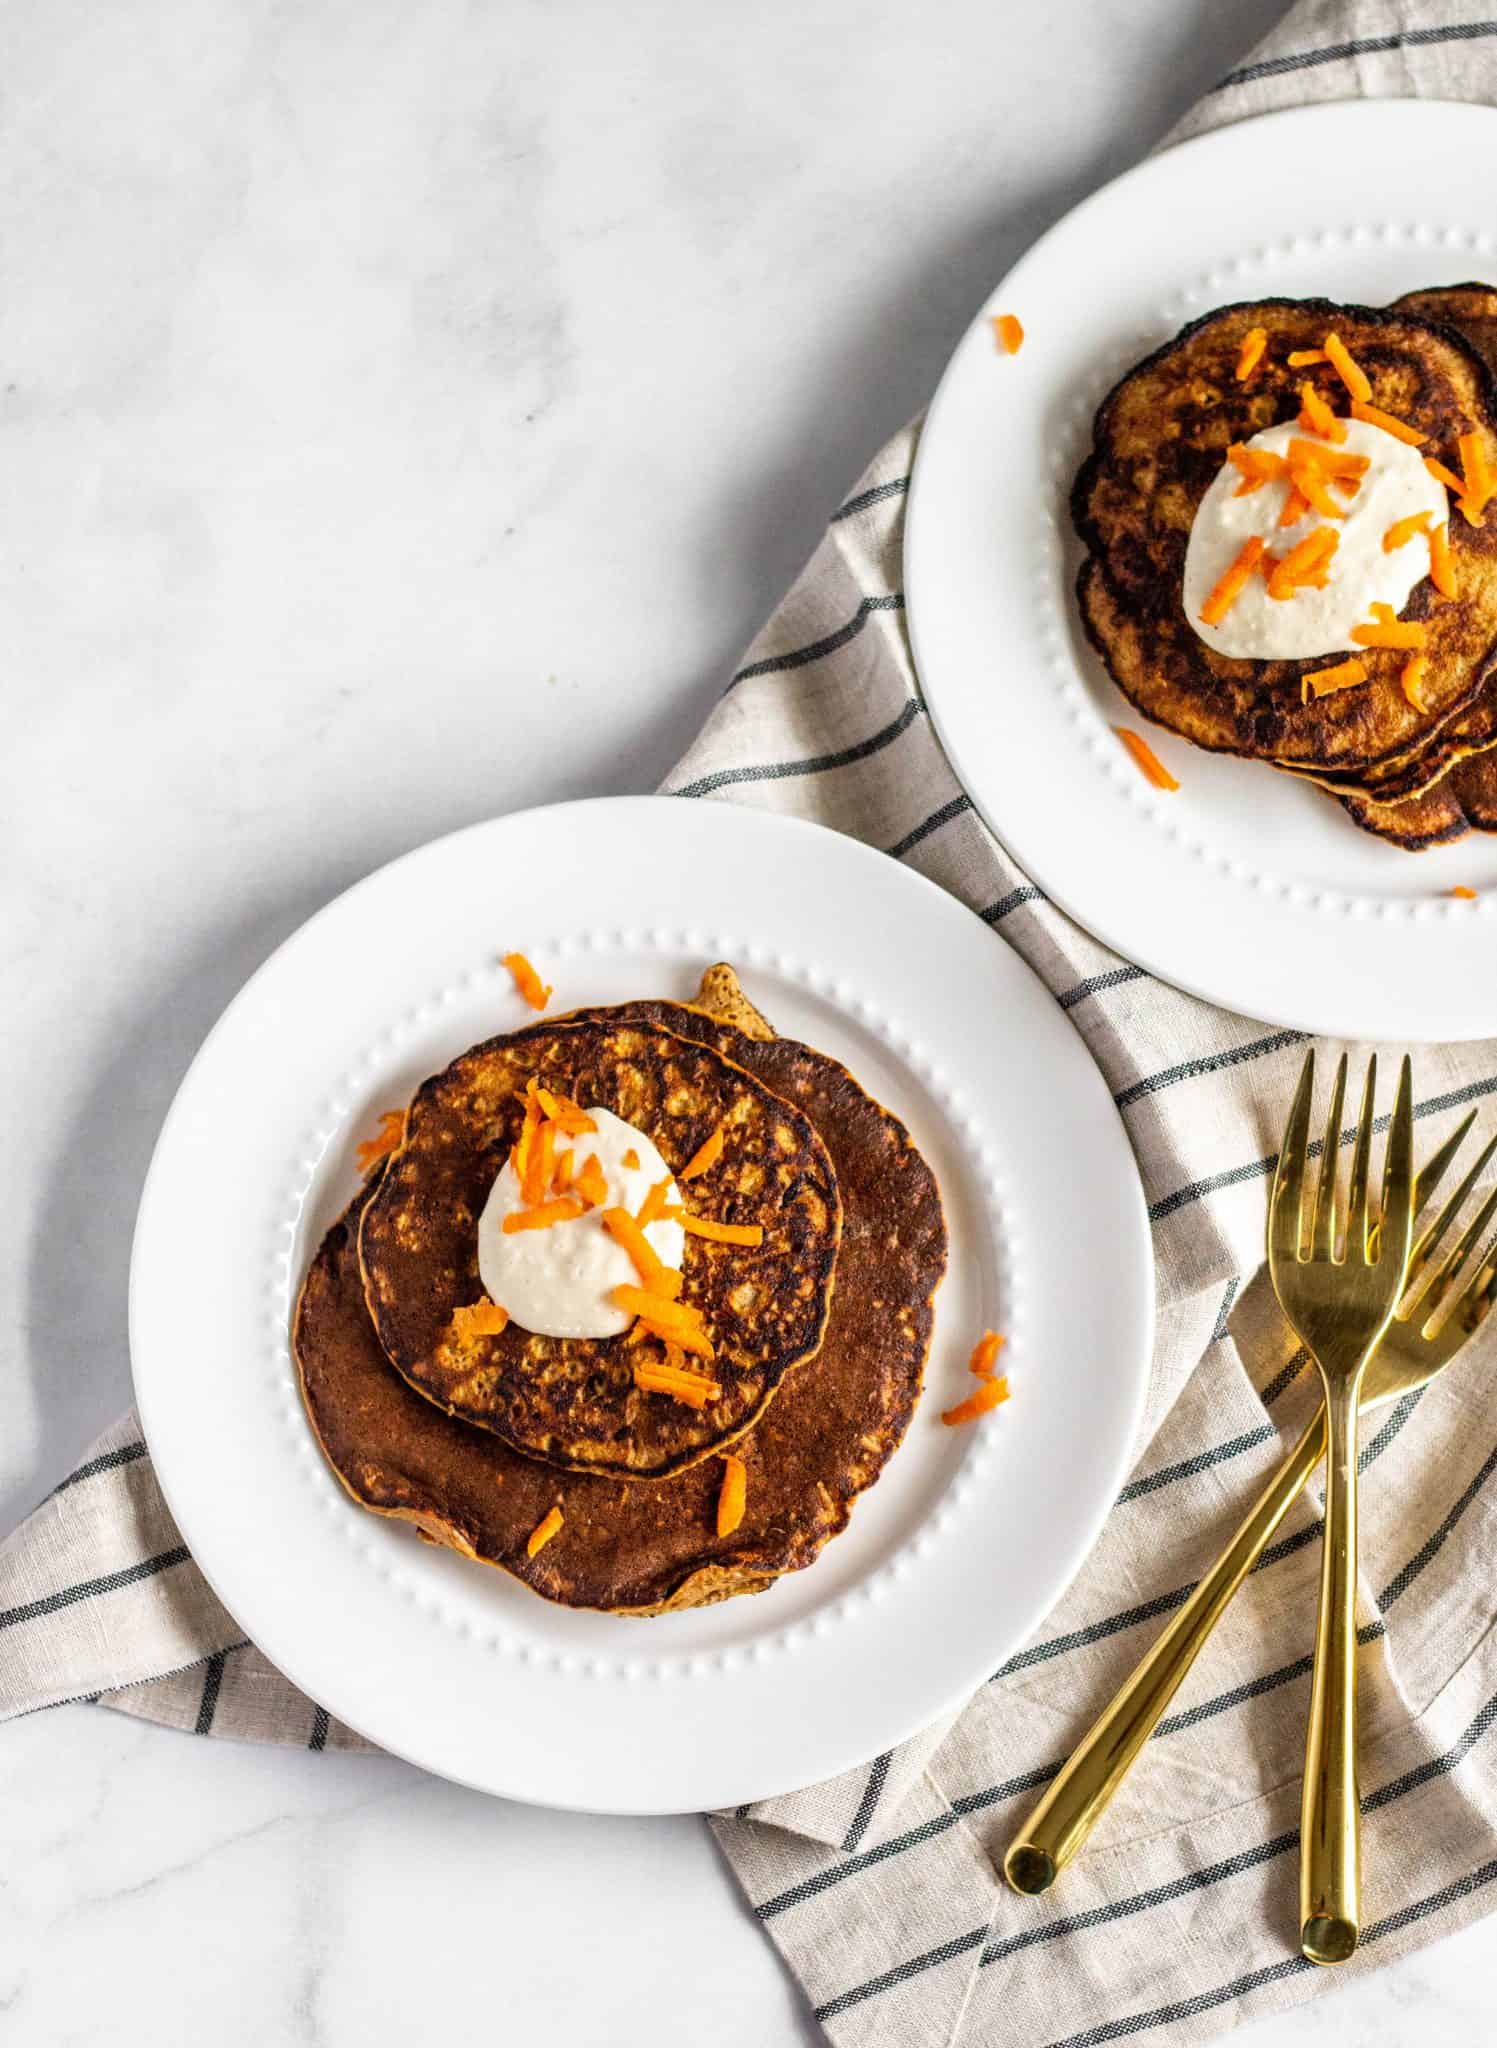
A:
(951, 1559)
(1245, 886)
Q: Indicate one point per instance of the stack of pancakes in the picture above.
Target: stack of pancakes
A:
(1413, 775)
(820, 1334)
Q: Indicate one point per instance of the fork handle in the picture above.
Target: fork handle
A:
(1330, 1871)
(1077, 1797)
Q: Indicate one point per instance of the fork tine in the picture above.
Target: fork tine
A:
(1431, 1237)
(1398, 1169)
(1474, 1303)
(1289, 1174)
(1323, 1229)
(1437, 1165)
(1433, 1295)
(1361, 1161)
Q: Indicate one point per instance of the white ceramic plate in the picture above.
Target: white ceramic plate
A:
(950, 1560)
(1245, 887)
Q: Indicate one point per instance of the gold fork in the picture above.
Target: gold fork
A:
(1410, 1354)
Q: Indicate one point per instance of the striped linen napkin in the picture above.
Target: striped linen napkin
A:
(881, 1887)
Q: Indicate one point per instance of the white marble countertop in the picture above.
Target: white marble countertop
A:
(407, 414)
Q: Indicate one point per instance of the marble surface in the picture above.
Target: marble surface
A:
(407, 414)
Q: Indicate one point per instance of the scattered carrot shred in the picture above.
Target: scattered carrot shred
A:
(985, 1354)
(1296, 505)
(539, 1158)
(1010, 333)
(1304, 562)
(1386, 629)
(1478, 485)
(1466, 895)
(1232, 582)
(569, 1117)
(1321, 682)
(751, 1234)
(1302, 358)
(372, 1150)
(563, 1209)
(1315, 489)
(673, 1319)
(733, 1494)
(1317, 415)
(704, 1158)
(1441, 474)
(1411, 677)
(654, 1273)
(479, 1319)
(543, 1531)
(1335, 462)
(630, 1159)
(590, 1182)
(1441, 568)
(695, 1389)
(1254, 342)
(1257, 465)
(527, 981)
(1374, 416)
(561, 1179)
(1347, 368)
(652, 1208)
(1150, 763)
(1402, 531)
(987, 1396)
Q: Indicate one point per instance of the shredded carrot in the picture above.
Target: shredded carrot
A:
(1296, 505)
(1304, 560)
(1232, 582)
(591, 1182)
(671, 1319)
(1478, 485)
(1316, 490)
(1347, 368)
(751, 1234)
(1254, 342)
(1010, 333)
(985, 1355)
(1335, 462)
(1411, 677)
(1153, 768)
(654, 1273)
(704, 1158)
(694, 1388)
(1441, 568)
(520, 1157)
(478, 1319)
(564, 1209)
(1373, 416)
(539, 1158)
(1388, 630)
(372, 1150)
(1317, 415)
(630, 1159)
(1257, 465)
(561, 1179)
(1302, 358)
(1321, 682)
(733, 1495)
(1443, 475)
(1402, 531)
(569, 1116)
(1466, 895)
(527, 981)
(987, 1396)
(652, 1208)
(543, 1531)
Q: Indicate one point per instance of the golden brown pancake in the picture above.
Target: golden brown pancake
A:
(1463, 801)
(643, 1549)
(572, 1402)
(1159, 440)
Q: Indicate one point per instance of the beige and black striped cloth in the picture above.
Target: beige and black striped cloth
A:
(881, 1887)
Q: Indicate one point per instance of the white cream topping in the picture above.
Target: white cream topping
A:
(1362, 571)
(559, 1282)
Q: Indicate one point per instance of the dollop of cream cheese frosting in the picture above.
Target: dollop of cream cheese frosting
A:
(1362, 573)
(559, 1281)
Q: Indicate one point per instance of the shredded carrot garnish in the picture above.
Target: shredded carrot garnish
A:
(372, 1150)
(562, 1210)
(751, 1234)
(1441, 568)
(733, 1495)
(479, 1319)
(1334, 462)
(591, 1182)
(1302, 358)
(654, 1273)
(673, 1319)
(543, 1531)
(1321, 682)
(1402, 531)
(520, 1157)
(1304, 561)
(1466, 895)
(539, 1158)
(1478, 485)
(1257, 465)
(652, 1208)
(1232, 582)
(1347, 368)
(561, 1179)
(694, 1388)
(1254, 342)
(1010, 333)
(987, 1396)
(527, 981)
(1373, 416)
(1153, 768)
(1388, 630)
(630, 1159)
(985, 1355)
(1316, 490)
(1443, 475)
(1296, 505)
(1317, 415)
(1411, 678)
(568, 1116)
(704, 1158)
